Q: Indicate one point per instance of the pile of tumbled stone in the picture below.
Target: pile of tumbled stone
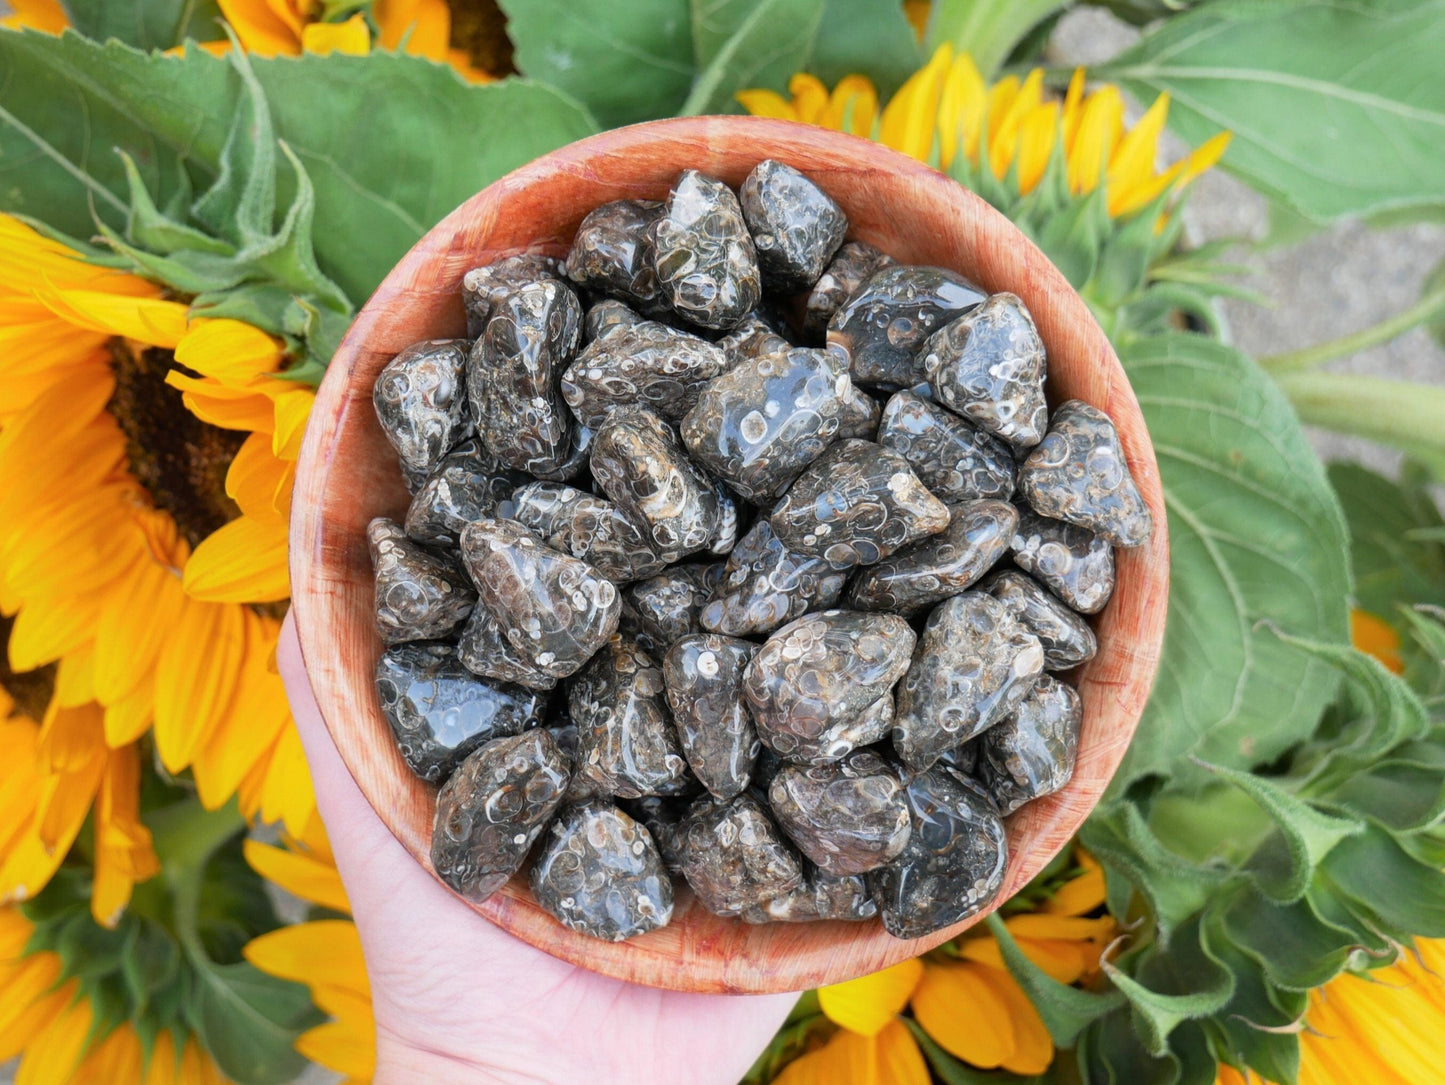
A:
(743, 553)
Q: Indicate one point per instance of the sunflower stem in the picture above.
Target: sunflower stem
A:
(1294, 361)
(987, 30)
(1402, 414)
(186, 835)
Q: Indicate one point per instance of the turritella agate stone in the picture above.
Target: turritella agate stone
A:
(625, 739)
(440, 712)
(1031, 754)
(821, 671)
(419, 595)
(485, 651)
(492, 809)
(884, 324)
(591, 529)
(765, 585)
(989, 367)
(848, 817)
(649, 364)
(612, 252)
(734, 857)
(666, 606)
(796, 226)
(1078, 475)
(821, 896)
(933, 569)
(554, 610)
(421, 401)
(483, 288)
(466, 486)
(1066, 638)
(638, 463)
(956, 460)
(846, 272)
(973, 665)
(512, 377)
(1072, 562)
(953, 864)
(760, 423)
(704, 678)
(707, 267)
(855, 505)
(600, 873)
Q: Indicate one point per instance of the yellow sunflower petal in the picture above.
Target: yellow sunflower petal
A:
(852, 107)
(115, 1059)
(321, 953)
(866, 1004)
(70, 737)
(231, 351)
(293, 407)
(287, 795)
(910, 120)
(1033, 1050)
(900, 1062)
(1037, 134)
(127, 718)
(152, 321)
(353, 37)
(767, 103)
(303, 875)
(133, 628)
(424, 25)
(123, 851)
(1205, 156)
(960, 111)
(1073, 109)
(52, 1055)
(1099, 129)
(260, 29)
(1079, 895)
(196, 678)
(29, 1002)
(846, 1059)
(1132, 162)
(962, 1007)
(229, 408)
(810, 97)
(345, 1046)
(242, 562)
(44, 15)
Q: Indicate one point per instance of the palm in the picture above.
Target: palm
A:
(447, 984)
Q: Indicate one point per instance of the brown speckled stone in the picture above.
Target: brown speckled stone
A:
(734, 857)
(973, 665)
(989, 367)
(419, 595)
(649, 364)
(846, 272)
(555, 611)
(626, 742)
(953, 865)
(796, 226)
(484, 650)
(954, 459)
(666, 606)
(1066, 637)
(492, 809)
(483, 288)
(704, 676)
(612, 252)
(848, 817)
(707, 268)
(466, 486)
(421, 401)
(1072, 562)
(607, 316)
(765, 585)
(821, 896)
(600, 873)
(1078, 475)
(591, 529)
(884, 324)
(1031, 754)
(855, 505)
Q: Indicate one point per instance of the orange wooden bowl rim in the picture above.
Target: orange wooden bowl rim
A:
(348, 474)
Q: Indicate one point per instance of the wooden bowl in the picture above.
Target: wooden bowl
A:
(348, 474)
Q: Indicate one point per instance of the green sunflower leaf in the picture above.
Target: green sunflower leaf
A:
(1319, 96)
(1167, 989)
(1296, 948)
(1377, 874)
(1253, 1028)
(147, 24)
(249, 1021)
(1255, 533)
(867, 38)
(1396, 561)
(740, 44)
(1066, 1010)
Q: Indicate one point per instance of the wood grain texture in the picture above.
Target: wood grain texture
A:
(348, 474)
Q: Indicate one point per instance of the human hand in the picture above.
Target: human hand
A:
(459, 1000)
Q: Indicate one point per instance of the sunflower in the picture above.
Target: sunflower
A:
(324, 954)
(46, 1022)
(142, 544)
(962, 995)
(945, 111)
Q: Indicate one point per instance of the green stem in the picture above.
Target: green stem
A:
(1294, 361)
(987, 30)
(186, 835)
(1403, 414)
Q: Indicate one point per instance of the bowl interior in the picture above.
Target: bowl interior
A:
(348, 474)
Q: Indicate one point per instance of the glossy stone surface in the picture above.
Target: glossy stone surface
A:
(648, 364)
(760, 423)
(440, 712)
(848, 817)
(1031, 754)
(954, 863)
(860, 416)
(466, 486)
(419, 595)
(555, 611)
(591, 529)
(707, 268)
(599, 872)
(483, 288)
(1078, 475)
(728, 527)
(563, 730)
(963, 759)
(855, 505)
(1072, 562)
(608, 315)
(933, 569)
(821, 896)
(796, 226)
(822, 670)
(626, 742)
(421, 401)
(703, 674)
(755, 336)
(666, 606)
(734, 857)
(989, 367)
(765, 585)
(1066, 638)
(638, 463)
(885, 322)
(484, 650)
(492, 809)
(612, 252)
(845, 273)
(512, 377)
(973, 665)
(665, 817)
(956, 460)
